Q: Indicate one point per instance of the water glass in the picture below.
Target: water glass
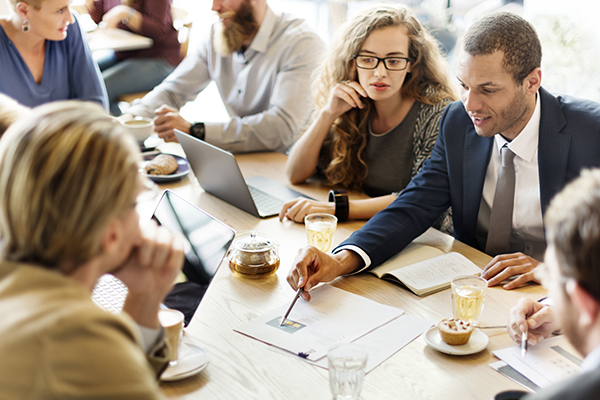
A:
(347, 364)
(468, 294)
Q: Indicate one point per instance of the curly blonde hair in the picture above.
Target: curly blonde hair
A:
(428, 82)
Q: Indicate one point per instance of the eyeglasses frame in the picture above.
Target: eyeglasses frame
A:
(408, 59)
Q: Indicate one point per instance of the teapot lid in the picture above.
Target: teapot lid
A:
(254, 242)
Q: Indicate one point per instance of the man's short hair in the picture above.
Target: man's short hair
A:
(573, 229)
(511, 34)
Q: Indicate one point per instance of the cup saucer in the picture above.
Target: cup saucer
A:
(478, 342)
(192, 360)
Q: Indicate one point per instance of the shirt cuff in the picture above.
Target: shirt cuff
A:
(151, 337)
(360, 252)
(213, 132)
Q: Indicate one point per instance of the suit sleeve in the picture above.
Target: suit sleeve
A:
(423, 201)
(96, 356)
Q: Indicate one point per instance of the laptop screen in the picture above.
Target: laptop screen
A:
(206, 238)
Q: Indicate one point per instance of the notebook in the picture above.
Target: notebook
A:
(207, 240)
(219, 174)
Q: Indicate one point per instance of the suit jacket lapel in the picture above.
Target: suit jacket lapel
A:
(553, 149)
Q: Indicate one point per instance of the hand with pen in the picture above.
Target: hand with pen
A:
(533, 318)
(313, 266)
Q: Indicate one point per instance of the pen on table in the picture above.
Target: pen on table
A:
(298, 293)
(524, 343)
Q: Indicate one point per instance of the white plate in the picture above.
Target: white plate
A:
(478, 342)
(192, 360)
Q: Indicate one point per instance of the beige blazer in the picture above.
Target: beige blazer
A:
(55, 343)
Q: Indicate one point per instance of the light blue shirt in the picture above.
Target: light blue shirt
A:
(69, 72)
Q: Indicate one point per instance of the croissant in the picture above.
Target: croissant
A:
(162, 164)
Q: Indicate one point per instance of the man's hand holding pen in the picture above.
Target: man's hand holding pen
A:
(533, 319)
(313, 266)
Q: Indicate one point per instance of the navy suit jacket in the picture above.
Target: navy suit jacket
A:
(585, 386)
(569, 141)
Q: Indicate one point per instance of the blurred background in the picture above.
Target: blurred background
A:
(569, 33)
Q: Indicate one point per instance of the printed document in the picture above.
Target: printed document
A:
(332, 316)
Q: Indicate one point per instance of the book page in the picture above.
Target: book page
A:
(412, 254)
(332, 316)
(435, 272)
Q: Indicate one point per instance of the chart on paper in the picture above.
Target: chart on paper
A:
(548, 362)
(332, 316)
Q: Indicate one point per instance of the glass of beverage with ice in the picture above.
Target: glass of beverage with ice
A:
(468, 293)
(320, 229)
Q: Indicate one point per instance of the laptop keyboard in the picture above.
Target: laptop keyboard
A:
(265, 203)
(110, 294)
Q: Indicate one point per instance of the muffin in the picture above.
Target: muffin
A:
(455, 332)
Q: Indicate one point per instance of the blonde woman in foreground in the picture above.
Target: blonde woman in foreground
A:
(68, 186)
(380, 94)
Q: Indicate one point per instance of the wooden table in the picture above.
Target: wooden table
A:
(117, 40)
(244, 368)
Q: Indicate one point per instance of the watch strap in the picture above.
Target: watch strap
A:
(342, 205)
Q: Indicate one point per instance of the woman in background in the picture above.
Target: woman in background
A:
(68, 186)
(44, 55)
(380, 94)
(137, 70)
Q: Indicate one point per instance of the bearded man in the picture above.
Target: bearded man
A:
(261, 62)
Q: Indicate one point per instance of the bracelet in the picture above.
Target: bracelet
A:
(131, 14)
(342, 206)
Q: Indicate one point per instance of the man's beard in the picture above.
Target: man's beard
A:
(231, 37)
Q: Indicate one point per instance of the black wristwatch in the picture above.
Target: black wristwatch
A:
(342, 206)
(197, 130)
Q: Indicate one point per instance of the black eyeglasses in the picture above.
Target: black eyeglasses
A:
(390, 63)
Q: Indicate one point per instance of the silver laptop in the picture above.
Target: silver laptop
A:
(219, 174)
(207, 240)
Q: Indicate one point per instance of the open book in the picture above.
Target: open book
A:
(425, 269)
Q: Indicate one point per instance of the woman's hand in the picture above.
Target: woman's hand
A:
(299, 208)
(115, 15)
(345, 96)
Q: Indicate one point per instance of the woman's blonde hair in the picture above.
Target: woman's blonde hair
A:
(65, 173)
(428, 82)
(10, 111)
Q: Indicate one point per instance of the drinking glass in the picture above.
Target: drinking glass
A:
(347, 364)
(468, 294)
(320, 229)
(172, 321)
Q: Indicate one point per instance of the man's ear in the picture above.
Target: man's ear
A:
(533, 81)
(111, 237)
(588, 306)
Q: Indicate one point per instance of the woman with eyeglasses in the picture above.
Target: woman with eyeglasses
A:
(379, 97)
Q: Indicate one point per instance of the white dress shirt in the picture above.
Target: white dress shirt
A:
(527, 222)
(266, 89)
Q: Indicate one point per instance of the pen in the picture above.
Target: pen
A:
(298, 293)
(524, 343)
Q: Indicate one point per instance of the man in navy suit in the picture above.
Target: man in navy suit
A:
(572, 277)
(502, 104)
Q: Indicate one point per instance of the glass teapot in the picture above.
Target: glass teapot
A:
(254, 255)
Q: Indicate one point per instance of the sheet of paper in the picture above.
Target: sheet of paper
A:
(385, 341)
(548, 362)
(511, 373)
(332, 316)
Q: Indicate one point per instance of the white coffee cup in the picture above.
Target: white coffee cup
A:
(140, 128)
(172, 321)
